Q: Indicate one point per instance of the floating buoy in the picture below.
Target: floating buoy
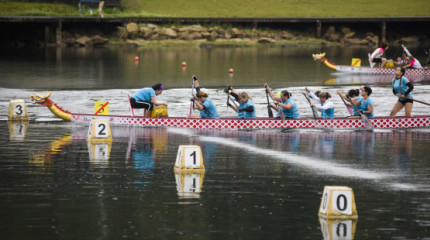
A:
(231, 70)
(338, 228)
(338, 202)
(17, 110)
(136, 59)
(184, 64)
(189, 159)
(189, 185)
(99, 131)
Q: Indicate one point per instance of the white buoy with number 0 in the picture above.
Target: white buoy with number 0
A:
(338, 202)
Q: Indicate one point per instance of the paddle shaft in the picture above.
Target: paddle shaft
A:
(230, 98)
(363, 117)
(269, 110)
(413, 99)
(281, 113)
(347, 107)
(192, 95)
(312, 108)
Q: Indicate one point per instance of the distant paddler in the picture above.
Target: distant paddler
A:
(326, 106)
(246, 108)
(285, 103)
(204, 104)
(402, 88)
(145, 98)
(353, 94)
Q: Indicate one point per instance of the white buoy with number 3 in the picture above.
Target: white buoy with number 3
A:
(17, 110)
(189, 159)
(99, 131)
(338, 202)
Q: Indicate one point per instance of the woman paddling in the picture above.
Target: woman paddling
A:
(402, 88)
(326, 106)
(204, 104)
(246, 108)
(364, 104)
(285, 103)
(353, 94)
(145, 98)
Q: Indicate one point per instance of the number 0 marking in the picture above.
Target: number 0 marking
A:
(339, 201)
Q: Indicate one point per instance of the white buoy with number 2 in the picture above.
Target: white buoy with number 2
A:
(189, 159)
(99, 131)
(338, 202)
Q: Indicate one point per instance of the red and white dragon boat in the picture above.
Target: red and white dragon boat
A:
(367, 70)
(235, 123)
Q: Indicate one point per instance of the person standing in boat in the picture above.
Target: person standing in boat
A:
(364, 105)
(145, 98)
(285, 102)
(375, 57)
(402, 88)
(246, 108)
(353, 94)
(204, 104)
(326, 106)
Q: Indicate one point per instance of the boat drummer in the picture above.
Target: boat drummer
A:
(145, 98)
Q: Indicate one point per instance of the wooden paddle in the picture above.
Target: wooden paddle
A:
(314, 109)
(413, 99)
(269, 109)
(281, 113)
(229, 98)
(363, 117)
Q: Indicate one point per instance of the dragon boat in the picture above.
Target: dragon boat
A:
(234, 123)
(367, 70)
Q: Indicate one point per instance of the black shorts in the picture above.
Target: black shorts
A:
(377, 60)
(404, 101)
(141, 104)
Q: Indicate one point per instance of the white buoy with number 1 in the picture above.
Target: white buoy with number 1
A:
(99, 131)
(17, 110)
(189, 159)
(338, 202)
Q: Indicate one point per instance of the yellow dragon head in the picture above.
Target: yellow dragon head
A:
(41, 99)
(319, 57)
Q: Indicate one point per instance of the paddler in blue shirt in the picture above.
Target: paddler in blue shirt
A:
(246, 107)
(327, 107)
(402, 88)
(285, 102)
(204, 104)
(364, 104)
(145, 98)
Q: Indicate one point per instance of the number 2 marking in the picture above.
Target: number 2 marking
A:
(102, 130)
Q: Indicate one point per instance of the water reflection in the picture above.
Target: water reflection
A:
(338, 228)
(189, 185)
(99, 153)
(17, 130)
(43, 157)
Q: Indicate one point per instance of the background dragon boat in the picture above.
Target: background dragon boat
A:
(367, 70)
(234, 123)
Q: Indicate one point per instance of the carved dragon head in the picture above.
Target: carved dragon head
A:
(41, 99)
(319, 57)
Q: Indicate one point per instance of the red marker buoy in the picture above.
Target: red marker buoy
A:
(230, 70)
(136, 59)
(184, 64)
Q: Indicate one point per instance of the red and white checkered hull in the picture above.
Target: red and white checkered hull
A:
(259, 123)
(386, 71)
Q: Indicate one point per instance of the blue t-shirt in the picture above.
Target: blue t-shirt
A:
(144, 94)
(400, 86)
(245, 114)
(290, 113)
(329, 112)
(209, 109)
(356, 109)
(364, 106)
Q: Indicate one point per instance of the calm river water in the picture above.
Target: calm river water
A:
(257, 184)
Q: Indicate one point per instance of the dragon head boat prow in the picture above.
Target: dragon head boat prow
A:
(41, 99)
(319, 57)
(54, 108)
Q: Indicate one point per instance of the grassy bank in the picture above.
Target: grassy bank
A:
(229, 8)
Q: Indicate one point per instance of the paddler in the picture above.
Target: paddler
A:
(145, 98)
(326, 106)
(402, 88)
(204, 104)
(285, 102)
(246, 108)
(364, 104)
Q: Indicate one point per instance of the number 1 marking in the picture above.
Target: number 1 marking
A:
(194, 157)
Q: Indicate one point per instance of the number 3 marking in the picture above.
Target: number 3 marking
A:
(19, 109)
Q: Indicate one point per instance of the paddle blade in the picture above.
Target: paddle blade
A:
(281, 113)
(269, 111)
(350, 110)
